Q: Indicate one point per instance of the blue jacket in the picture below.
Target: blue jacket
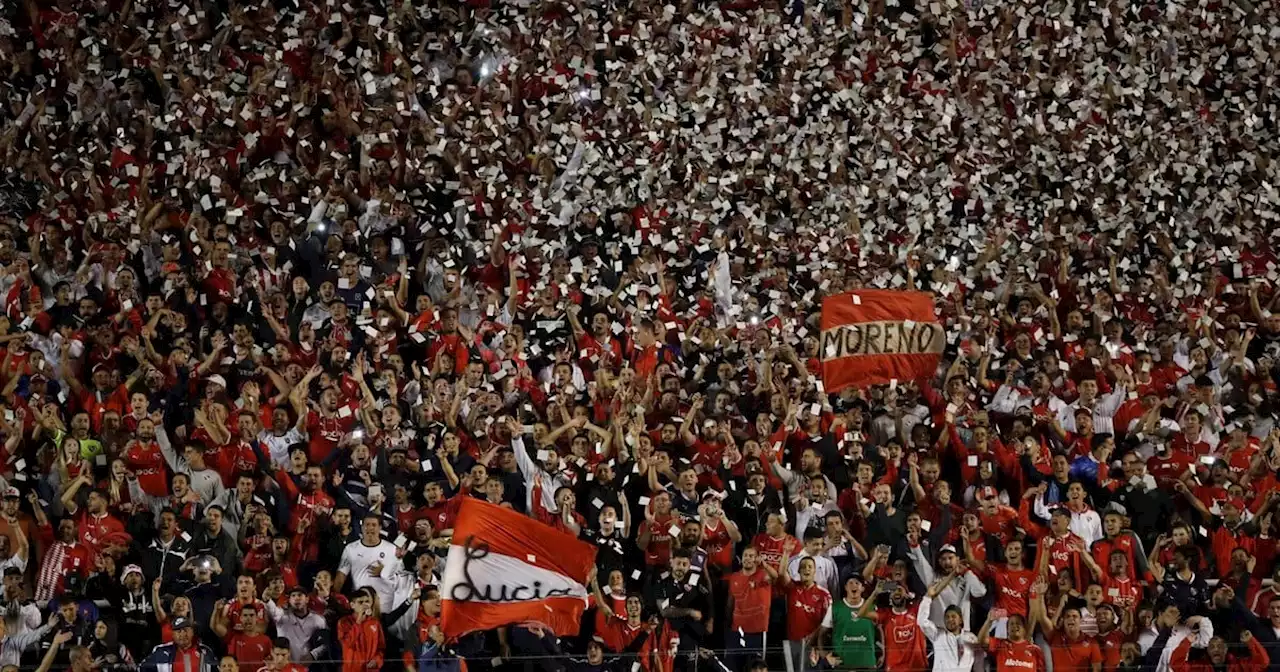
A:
(161, 658)
(432, 659)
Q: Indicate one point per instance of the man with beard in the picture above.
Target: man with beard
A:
(685, 604)
(213, 540)
(959, 585)
(147, 461)
(690, 539)
(1015, 654)
(904, 643)
(311, 504)
(99, 529)
(64, 556)
(21, 614)
(325, 426)
(296, 623)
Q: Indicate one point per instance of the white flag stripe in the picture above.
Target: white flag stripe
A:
(497, 578)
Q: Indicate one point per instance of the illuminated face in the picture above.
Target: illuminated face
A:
(1071, 621)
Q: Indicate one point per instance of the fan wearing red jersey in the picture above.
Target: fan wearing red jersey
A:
(904, 642)
(1015, 654)
(807, 606)
(1012, 583)
(1115, 627)
(774, 542)
(619, 631)
(1119, 589)
(1255, 660)
(750, 592)
(1072, 650)
(1063, 549)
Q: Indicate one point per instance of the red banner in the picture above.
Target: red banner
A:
(877, 336)
(504, 567)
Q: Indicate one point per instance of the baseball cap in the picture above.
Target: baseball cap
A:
(11, 492)
(297, 589)
(182, 622)
(987, 492)
(947, 548)
(1236, 502)
(218, 380)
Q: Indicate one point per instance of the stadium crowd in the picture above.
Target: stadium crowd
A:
(284, 281)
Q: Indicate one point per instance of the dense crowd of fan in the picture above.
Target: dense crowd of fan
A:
(284, 281)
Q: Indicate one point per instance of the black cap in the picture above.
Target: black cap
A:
(182, 622)
(297, 589)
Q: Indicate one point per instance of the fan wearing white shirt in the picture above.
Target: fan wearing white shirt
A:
(954, 649)
(280, 437)
(370, 562)
(1104, 408)
(1085, 522)
(825, 572)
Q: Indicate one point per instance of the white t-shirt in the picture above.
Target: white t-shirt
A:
(278, 446)
(13, 561)
(357, 559)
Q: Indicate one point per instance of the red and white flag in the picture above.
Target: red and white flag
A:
(504, 568)
(877, 336)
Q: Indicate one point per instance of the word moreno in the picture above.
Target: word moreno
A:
(883, 338)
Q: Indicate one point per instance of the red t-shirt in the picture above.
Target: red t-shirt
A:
(1014, 656)
(1109, 644)
(1077, 655)
(771, 549)
(718, 546)
(444, 514)
(1003, 523)
(148, 463)
(1169, 467)
(658, 554)
(1062, 557)
(1012, 588)
(233, 459)
(806, 607)
(1103, 548)
(904, 647)
(252, 651)
(323, 433)
(98, 403)
(94, 530)
(1123, 592)
(618, 634)
(751, 595)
